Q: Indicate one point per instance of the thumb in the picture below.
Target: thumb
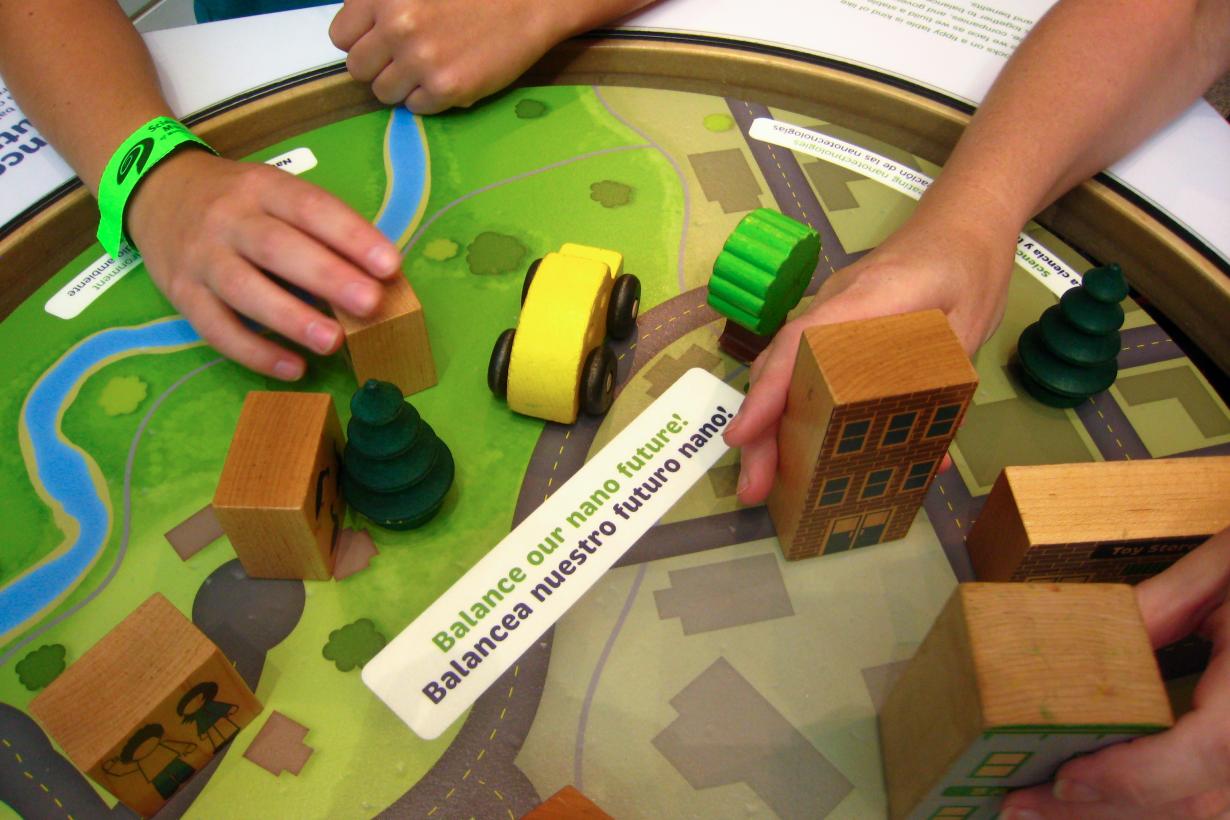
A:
(1176, 602)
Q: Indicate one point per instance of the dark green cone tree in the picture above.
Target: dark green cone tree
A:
(395, 470)
(1070, 353)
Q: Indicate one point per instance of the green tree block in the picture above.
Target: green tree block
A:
(408, 508)
(1057, 375)
(1089, 314)
(388, 440)
(377, 402)
(1106, 284)
(1072, 345)
(354, 644)
(391, 474)
(763, 270)
(41, 666)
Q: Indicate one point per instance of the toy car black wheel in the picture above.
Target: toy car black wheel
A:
(625, 305)
(598, 381)
(529, 277)
(497, 368)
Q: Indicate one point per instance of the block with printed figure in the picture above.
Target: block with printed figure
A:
(147, 706)
(392, 344)
(278, 499)
(871, 410)
(1012, 681)
(1114, 521)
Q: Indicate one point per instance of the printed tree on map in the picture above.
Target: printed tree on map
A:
(761, 274)
(1070, 353)
(395, 470)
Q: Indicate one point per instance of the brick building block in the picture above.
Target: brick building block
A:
(1099, 521)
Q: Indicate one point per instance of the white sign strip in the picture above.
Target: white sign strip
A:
(451, 653)
(1044, 264)
(104, 271)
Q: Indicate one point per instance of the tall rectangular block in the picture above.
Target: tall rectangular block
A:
(278, 498)
(391, 345)
(871, 410)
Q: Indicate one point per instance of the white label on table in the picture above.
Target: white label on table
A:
(457, 648)
(1044, 264)
(104, 271)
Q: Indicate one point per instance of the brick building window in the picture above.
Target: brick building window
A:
(834, 491)
(918, 475)
(853, 435)
(877, 483)
(898, 430)
(1001, 764)
(941, 423)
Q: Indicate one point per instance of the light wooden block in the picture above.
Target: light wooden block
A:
(567, 804)
(147, 706)
(876, 373)
(391, 345)
(1099, 521)
(1011, 681)
(278, 499)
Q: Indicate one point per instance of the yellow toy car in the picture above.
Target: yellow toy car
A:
(557, 359)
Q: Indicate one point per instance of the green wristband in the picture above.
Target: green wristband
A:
(148, 145)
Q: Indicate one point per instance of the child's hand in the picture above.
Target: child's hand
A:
(1180, 773)
(962, 276)
(434, 54)
(209, 229)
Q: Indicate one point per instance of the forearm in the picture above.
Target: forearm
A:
(1091, 81)
(81, 73)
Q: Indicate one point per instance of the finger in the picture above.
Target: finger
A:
(272, 245)
(323, 216)
(251, 293)
(351, 22)
(368, 57)
(757, 468)
(393, 84)
(945, 463)
(422, 101)
(223, 332)
(1038, 802)
(770, 384)
(1175, 602)
(1187, 760)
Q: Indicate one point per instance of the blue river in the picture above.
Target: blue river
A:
(65, 471)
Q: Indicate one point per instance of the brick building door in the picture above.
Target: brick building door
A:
(857, 531)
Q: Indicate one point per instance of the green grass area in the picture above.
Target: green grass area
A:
(184, 443)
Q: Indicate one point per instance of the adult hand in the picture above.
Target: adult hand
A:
(209, 229)
(435, 54)
(965, 276)
(1183, 772)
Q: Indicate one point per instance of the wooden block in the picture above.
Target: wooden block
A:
(147, 706)
(391, 345)
(1100, 521)
(1011, 681)
(872, 408)
(278, 498)
(567, 804)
